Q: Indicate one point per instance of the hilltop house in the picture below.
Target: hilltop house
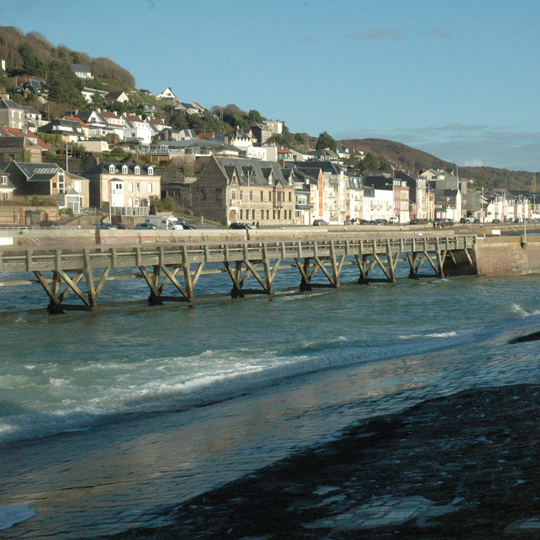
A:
(167, 96)
(82, 71)
(241, 190)
(11, 114)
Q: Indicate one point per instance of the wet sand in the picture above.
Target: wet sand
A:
(418, 448)
(465, 466)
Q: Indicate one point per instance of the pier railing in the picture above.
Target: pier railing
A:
(181, 265)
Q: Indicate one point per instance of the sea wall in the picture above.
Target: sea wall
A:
(506, 256)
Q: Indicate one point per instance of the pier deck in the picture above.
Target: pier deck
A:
(181, 265)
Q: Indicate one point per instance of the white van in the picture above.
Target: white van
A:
(393, 220)
(164, 222)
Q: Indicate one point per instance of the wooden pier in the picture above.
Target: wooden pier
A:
(83, 271)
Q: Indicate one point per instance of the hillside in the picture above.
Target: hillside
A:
(414, 161)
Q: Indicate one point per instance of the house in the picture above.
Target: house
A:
(34, 86)
(11, 114)
(147, 108)
(275, 126)
(84, 125)
(124, 188)
(200, 148)
(171, 134)
(395, 206)
(189, 108)
(325, 155)
(20, 149)
(156, 125)
(308, 195)
(136, 129)
(68, 190)
(82, 71)
(6, 185)
(69, 130)
(115, 124)
(167, 96)
(421, 199)
(89, 93)
(12, 132)
(32, 117)
(117, 97)
(241, 190)
(261, 133)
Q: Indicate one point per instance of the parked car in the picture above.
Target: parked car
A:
(496, 221)
(244, 226)
(413, 222)
(464, 220)
(145, 226)
(188, 227)
(365, 222)
(111, 226)
(49, 223)
(123, 226)
(380, 222)
(394, 220)
(320, 223)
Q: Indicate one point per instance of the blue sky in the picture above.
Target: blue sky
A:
(457, 79)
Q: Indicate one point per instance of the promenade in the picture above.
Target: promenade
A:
(133, 477)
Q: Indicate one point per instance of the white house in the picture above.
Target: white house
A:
(168, 96)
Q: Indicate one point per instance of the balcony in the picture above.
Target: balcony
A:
(235, 202)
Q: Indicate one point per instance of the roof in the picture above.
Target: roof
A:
(14, 132)
(81, 68)
(103, 168)
(259, 173)
(18, 142)
(75, 119)
(108, 114)
(8, 104)
(38, 172)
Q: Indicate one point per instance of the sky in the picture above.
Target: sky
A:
(457, 79)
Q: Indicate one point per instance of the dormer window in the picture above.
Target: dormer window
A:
(111, 169)
(124, 169)
(151, 170)
(137, 170)
(4, 180)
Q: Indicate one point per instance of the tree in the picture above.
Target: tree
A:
(326, 141)
(62, 83)
(31, 63)
(384, 164)
(255, 117)
(369, 163)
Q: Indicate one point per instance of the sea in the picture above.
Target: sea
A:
(74, 372)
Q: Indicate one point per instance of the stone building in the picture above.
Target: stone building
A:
(242, 190)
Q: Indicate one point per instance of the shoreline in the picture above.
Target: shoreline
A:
(462, 466)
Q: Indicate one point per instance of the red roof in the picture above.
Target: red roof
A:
(204, 135)
(75, 119)
(13, 132)
(108, 114)
(283, 151)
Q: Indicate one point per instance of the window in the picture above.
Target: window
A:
(130, 186)
(268, 214)
(250, 195)
(262, 196)
(4, 180)
(54, 185)
(233, 194)
(5, 196)
(77, 185)
(241, 195)
(290, 196)
(130, 201)
(273, 214)
(111, 169)
(137, 170)
(138, 186)
(137, 201)
(149, 188)
(241, 214)
(151, 170)
(124, 169)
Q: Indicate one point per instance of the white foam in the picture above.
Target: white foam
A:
(10, 515)
(443, 335)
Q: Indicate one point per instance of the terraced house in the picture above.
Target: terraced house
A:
(242, 190)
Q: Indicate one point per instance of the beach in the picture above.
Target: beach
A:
(287, 460)
(465, 466)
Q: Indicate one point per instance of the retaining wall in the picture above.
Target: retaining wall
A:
(505, 256)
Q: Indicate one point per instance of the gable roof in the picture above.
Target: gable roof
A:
(260, 173)
(8, 104)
